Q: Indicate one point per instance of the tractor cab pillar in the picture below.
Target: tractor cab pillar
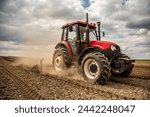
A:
(72, 36)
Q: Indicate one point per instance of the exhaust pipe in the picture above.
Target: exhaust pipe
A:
(99, 30)
(87, 29)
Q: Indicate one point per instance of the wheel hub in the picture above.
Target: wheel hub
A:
(91, 69)
(58, 62)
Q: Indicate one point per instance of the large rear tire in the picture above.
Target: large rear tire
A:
(95, 68)
(60, 59)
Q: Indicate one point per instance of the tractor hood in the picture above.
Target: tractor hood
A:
(110, 49)
(102, 44)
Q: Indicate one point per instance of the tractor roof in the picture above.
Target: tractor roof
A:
(91, 25)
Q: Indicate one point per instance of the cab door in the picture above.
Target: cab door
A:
(71, 37)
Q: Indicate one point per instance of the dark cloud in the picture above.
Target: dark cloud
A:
(2, 4)
(144, 23)
(57, 9)
(8, 33)
(144, 44)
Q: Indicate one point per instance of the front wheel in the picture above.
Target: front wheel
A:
(95, 68)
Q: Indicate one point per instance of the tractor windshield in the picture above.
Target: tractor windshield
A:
(92, 33)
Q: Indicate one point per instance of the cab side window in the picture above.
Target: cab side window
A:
(72, 32)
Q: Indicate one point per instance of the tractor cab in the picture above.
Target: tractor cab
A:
(75, 34)
(77, 30)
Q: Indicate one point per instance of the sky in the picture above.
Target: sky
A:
(33, 27)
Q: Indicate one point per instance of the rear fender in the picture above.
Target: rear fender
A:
(67, 46)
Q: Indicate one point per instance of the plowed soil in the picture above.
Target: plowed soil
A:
(22, 82)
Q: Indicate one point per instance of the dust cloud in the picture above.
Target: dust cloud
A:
(37, 54)
(44, 66)
(72, 72)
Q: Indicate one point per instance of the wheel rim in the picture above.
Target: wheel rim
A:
(58, 62)
(91, 69)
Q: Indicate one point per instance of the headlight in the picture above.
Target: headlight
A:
(113, 48)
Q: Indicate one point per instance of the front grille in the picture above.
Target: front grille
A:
(113, 54)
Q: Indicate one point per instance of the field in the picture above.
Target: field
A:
(18, 81)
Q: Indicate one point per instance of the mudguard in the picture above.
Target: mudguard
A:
(87, 50)
(67, 46)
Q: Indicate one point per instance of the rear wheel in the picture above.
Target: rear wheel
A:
(95, 68)
(60, 59)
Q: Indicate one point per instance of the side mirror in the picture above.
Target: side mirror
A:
(70, 28)
(103, 34)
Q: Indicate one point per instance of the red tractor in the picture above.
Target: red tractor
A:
(81, 43)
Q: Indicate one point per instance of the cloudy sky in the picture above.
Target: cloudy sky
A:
(34, 26)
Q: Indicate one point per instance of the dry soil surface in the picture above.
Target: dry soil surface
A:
(21, 82)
